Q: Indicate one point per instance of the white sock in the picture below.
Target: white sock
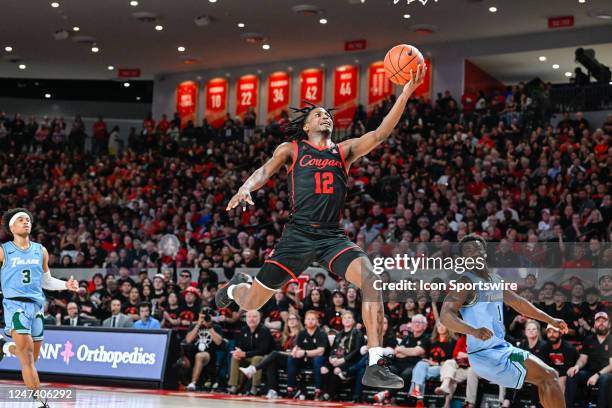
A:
(376, 354)
(5, 348)
(230, 291)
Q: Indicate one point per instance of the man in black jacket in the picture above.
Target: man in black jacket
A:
(345, 352)
(253, 343)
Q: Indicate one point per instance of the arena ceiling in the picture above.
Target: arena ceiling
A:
(524, 66)
(124, 41)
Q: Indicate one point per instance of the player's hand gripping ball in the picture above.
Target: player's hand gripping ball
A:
(400, 61)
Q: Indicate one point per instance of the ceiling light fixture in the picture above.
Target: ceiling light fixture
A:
(159, 27)
(407, 16)
(75, 28)
(8, 48)
(95, 49)
(110, 68)
(493, 9)
(22, 66)
(581, 1)
(241, 25)
(48, 96)
(133, 3)
(323, 21)
(126, 84)
(542, 58)
(138, 98)
(212, 1)
(568, 74)
(266, 46)
(555, 66)
(55, 4)
(181, 49)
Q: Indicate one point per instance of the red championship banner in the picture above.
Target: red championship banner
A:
(246, 93)
(379, 87)
(425, 89)
(187, 101)
(216, 101)
(279, 93)
(312, 86)
(346, 86)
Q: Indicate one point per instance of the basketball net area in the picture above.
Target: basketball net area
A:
(423, 2)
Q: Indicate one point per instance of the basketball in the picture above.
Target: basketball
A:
(400, 60)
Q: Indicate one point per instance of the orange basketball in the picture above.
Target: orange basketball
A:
(400, 60)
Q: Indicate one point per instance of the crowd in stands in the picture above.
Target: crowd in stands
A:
(494, 167)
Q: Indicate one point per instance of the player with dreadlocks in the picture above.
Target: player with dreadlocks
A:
(24, 273)
(317, 177)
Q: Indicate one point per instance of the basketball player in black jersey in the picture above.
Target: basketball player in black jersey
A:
(317, 177)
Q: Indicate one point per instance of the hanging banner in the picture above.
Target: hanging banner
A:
(424, 89)
(312, 86)
(186, 101)
(279, 93)
(246, 94)
(379, 87)
(216, 101)
(346, 84)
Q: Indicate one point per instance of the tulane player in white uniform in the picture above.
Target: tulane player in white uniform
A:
(490, 356)
(24, 273)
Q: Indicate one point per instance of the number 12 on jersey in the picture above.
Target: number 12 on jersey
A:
(324, 183)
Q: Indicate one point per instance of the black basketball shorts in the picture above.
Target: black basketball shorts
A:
(300, 246)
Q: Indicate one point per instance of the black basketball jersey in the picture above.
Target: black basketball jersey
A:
(317, 185)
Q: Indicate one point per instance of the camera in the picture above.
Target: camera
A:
(207, 318)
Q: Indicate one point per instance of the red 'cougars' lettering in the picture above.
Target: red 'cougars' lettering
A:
(307, 160)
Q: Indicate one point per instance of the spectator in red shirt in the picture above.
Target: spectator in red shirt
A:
(163, 125)
(100, 133)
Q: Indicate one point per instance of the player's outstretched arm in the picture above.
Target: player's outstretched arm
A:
(526, 308)
(356, 148)
(51, 283)
(282, 155)
(450, 314)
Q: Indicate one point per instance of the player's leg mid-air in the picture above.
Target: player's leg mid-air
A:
(492, 357)
(24, 274)
(313, 234)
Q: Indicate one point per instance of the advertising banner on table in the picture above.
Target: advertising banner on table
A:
(379, 87)
(135, 355)
(216, 101)
(247, 92)
(187, 101)
(346, 87)
(425, 88)
(279, 93)
(312, 86)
